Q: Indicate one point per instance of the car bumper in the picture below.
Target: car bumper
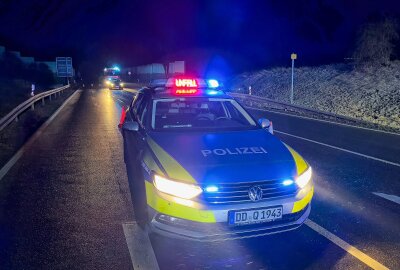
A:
(189, 230)
(212, 224)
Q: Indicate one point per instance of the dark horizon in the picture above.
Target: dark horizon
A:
(235, 36)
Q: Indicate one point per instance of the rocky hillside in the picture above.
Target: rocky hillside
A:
(372, 95)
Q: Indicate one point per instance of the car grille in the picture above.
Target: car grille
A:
(239, 192)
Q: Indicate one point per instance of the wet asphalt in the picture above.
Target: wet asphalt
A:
(63, 203)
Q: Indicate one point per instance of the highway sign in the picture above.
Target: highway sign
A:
(64, 67)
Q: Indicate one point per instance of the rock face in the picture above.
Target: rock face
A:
(372, 94)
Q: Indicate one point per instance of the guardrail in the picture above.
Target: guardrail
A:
(30, 103)
(250, 100)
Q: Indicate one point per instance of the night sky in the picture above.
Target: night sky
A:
(232, 35)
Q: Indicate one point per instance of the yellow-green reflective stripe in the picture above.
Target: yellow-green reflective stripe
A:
(172, 167)
(299, 205)
(301, 165)
(174, 209)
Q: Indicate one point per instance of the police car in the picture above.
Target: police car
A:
(200, 167)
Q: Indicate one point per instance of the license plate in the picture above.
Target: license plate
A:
(252, 216)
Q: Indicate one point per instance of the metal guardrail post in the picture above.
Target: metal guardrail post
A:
(33, 106)
(42, 101)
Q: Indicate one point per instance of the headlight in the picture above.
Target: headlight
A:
(121, 84)
(178, 189)
(303, 179)
(112, 84)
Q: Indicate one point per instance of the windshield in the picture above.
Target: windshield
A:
(199, 113)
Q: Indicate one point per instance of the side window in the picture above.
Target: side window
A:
(137, 102)
(140, 108)
(143, 115)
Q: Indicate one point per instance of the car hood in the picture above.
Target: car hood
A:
(224, 157)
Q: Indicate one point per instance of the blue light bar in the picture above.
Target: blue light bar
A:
(213, 92)
(212, 83)
(211, 189)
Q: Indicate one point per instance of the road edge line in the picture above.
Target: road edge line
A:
(10, 163)
(325, 121)
(142, 255)
(341, 149)
(361, 256)
(389, 197)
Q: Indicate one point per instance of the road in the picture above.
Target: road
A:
(66, 203)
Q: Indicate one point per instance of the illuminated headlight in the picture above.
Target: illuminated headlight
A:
(121, 84)
(112, 84)
(303, 179)
(178, 189)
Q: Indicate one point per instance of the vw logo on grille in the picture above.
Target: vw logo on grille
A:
(255, 193)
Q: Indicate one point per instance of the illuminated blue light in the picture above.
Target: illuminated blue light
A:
(212, 92)
(287, 182)
(116, 68)
(213, 83)
(211, 189)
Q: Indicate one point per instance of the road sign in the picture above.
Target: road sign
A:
(64, 67)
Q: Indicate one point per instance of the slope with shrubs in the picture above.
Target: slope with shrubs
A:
(371, 94)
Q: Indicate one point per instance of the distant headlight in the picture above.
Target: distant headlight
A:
(112, 84)
(121, 84)
(107, 82)
(178, 189)
(303, 179)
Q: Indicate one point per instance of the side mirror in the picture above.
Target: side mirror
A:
(266, 124)
(130, 126)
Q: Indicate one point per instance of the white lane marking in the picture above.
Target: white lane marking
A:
(4, 170)
(130, 90)
(325, 121)
(389, 197)
(139, 245)
(120, 100)
(345, 246)
(341, 149)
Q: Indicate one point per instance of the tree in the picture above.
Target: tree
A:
(376, 43)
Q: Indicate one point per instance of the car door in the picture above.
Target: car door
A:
(140, 111)
(133, 140)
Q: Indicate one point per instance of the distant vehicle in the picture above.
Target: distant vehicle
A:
(201, 168)
(115, 84)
